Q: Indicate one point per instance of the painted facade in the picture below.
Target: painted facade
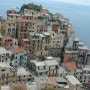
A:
(8, 74)
(10, 28)
(7, 42)
(5, 56)
(20, 57)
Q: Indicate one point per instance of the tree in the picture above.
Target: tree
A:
(31, 6)
(47, 89)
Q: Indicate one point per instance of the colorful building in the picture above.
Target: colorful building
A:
(44, 10)
(82, 53)
(25, 26)
(7, 42)
(73, 83)
(70, 67)
(55, 27)
(20, 57)
(56, 44)
(8, 74)
(2, 27)
(10, 28)
(12, 15)
(70, 55)
(6, 56)
(86, 74)
(24, 76)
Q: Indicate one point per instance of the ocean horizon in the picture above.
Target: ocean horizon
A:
(79, 15)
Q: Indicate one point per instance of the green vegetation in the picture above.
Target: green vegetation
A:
(47, 89)
(31, 6)
(18, 88)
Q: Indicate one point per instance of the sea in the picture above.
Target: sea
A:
(79, 15)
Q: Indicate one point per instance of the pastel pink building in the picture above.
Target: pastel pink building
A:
(82, 53)
(70, 55)
(41, 27)
(7, 42)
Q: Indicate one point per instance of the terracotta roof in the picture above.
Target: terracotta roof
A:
(9, 21)
(53, 81)
(25, 20)
(7, 37)
(56, 23)
(71, 65)
(11, 11)
(18, 49)
(17, 86)
(44, 10)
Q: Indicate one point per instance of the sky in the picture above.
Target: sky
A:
(82, 2)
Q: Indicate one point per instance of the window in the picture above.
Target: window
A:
(9, 29)
(7, 54)
(84, 77)
(30, 75)
(49, 68)
(3, 70)
(16, 57)
(9, 24)
(11, 16)
(13, 29)
(3, 76)
(46, 72)
(24, 76)
(44, 67)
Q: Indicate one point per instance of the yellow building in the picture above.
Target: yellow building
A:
(40, 39)
(12, 15)
(10, 28)
(31, 12)
(46, 42)
(7, 74)
(2, 27)
(43, 43)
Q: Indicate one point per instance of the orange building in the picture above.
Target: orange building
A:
(25, 26)
(55, 26)
(18, 87)
(44, 10)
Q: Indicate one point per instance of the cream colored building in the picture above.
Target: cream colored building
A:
(5, 56)
(48, 67)
(7, 74)
(2, 27)
(56, 44)
(12, 15)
